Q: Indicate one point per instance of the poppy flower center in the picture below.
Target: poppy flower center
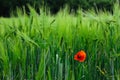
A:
(78, 56)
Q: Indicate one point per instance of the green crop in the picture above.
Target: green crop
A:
(42, 47)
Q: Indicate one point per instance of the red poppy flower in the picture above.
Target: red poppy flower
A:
(80, 56)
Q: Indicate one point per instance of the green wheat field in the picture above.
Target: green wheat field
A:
(42, 47)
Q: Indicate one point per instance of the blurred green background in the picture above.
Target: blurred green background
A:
(6, 6)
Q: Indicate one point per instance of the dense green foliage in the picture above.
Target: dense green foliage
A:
(42, 47)
(8, 5)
